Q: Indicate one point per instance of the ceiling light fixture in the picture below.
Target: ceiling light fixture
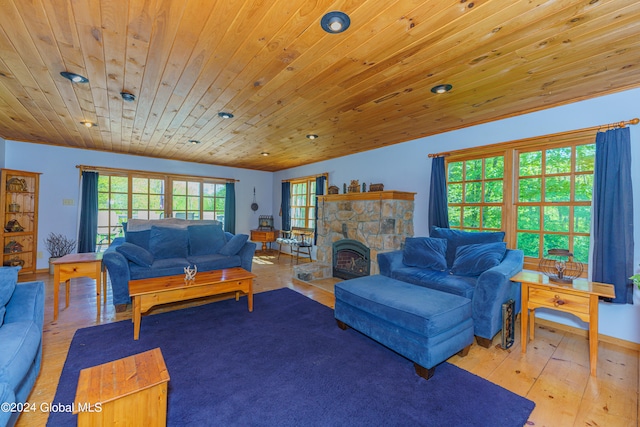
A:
(129, 97)
(225, 115)
(312, 136)
(441, 88)
(194, 141)
(88, 124)
(264, 153)
(75, 78)
(335, 22)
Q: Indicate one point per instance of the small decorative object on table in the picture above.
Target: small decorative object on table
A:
(12, 247)
(265, 222)
(560, 266)
(355, 186)
(13, 226)
(376, 187)
(190, 273)
(333, 189)
(14, 207)
(14, 262)
(17, 185)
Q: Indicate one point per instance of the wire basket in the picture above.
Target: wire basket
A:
(560, 266)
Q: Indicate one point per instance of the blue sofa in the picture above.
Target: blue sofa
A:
(164, 247)
(21, 323)
(477, 266)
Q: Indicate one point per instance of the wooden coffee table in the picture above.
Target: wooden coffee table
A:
(147, 293)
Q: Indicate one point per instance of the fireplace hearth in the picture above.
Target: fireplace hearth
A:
(351, 259)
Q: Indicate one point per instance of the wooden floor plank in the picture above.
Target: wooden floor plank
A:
(554, 372)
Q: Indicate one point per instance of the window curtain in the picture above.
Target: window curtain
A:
(438, 214)
(612, 233)
(285, 206)
(319, 192)
(88, 229)
(230, 208)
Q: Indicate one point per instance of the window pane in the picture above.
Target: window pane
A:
(530, 163)
(493, 191)
(471, 217)
(529, 190)
(529, 243)
(455, 171)
(454, 193)
(179, 203)
(555, 241)
(140, 185)
(120, 184)
(556, 218)
(557, 189)
(558, 160)
(585, 157)
(208, 204)
(581, 249)
(103, 201)
(454, 216)
(494, 167)
(193, 189)
(179, 188)
(119, 201)
(194, 203)
(156, 186)
(584, 188)
(156, 202)
(208, 189)
(528, 217)
(473, 169)
(492, 217)
(139, 201)
(473, 192)
(582, 219)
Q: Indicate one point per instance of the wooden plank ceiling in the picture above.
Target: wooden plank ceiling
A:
(271, 65)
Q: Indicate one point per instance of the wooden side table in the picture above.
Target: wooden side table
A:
(78, 265)
(264, 236)
(128, 392)
(579, 298)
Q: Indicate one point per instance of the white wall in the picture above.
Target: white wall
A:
(406, 167)
(60, 180)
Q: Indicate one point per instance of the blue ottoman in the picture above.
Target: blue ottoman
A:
(424, 325)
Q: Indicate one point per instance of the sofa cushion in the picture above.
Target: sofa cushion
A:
(214, 261)
(140, 238)
(205, 239)
(457, 238)
(20, 344)
(438, 280)
(425, 252)
(168, 242)
(159, 268)
(233, 246)
(473, 260)
(8, 280)
(136, 254)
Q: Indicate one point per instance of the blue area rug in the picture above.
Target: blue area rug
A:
(287, 364)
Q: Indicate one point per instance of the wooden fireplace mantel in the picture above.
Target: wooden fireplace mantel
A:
(371, 195)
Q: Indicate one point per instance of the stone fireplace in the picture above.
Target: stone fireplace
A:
(379, 221)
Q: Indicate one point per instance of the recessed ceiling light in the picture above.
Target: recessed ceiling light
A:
(75, 78)
(129, 97)
(194, 141)
(441, 88)
(335, 22)
(312, 136)
(88, 124)
(225, 115)
(264, 153)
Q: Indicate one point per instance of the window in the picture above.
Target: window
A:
(123, 195)
(303, 203)
(538, 191)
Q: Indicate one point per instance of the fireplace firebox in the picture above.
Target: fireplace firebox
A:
(351, 259)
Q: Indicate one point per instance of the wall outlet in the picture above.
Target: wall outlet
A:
(67, 202)
(39, 255)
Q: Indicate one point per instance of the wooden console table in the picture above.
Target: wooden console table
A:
(264, 236)
(579, 298)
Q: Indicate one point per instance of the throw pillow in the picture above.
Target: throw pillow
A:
(425, 252)
(140, 238)
(206, 239)
(168, 242)
(8, 281)
(457, 238)
(234, 245)
(136, 254)
(475, 259)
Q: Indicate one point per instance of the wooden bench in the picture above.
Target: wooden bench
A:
(298, 238)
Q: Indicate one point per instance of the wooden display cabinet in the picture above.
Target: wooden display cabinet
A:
(19, 202)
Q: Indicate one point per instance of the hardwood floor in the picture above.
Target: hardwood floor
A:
(554, 372)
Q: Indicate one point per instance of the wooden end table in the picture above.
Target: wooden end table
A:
(130, 391)
(78, 265)
(147, 293)
(264, 236)
(579, 298)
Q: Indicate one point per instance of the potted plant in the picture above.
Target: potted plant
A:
(58, 246)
